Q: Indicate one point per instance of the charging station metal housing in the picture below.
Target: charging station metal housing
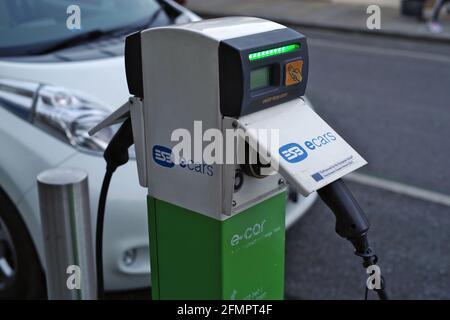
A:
(206, 240)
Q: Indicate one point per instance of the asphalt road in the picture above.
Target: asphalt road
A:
(390, 99)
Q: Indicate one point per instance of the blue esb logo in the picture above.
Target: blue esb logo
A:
(163, 156)
(293, 152)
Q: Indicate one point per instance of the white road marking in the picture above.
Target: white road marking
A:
(400, 188)
(434, 57)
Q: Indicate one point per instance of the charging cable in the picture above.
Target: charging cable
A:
(116, 155)
(351, 224)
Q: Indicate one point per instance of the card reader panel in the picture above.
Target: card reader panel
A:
(262, 70)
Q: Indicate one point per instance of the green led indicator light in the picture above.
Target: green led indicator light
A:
(273, 52)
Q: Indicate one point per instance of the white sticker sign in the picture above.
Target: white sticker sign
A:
(310, 154)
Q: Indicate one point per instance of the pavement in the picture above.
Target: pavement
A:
(350, 17)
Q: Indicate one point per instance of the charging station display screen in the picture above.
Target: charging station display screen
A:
(260, 78)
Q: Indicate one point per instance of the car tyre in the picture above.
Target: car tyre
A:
(21, 275)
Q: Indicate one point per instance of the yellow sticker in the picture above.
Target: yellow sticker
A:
(293, 72)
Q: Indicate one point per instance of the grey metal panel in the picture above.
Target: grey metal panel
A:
(177, 60)
(181, 85)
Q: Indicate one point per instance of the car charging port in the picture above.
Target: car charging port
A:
(238, 180)
(254, 169)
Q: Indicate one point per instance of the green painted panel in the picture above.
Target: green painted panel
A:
(253, 252)
(196, 257)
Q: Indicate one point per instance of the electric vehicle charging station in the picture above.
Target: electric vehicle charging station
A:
(214, 234)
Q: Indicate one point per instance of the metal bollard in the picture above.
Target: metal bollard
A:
(67, 234)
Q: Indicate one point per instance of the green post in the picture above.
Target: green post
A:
(194, 256)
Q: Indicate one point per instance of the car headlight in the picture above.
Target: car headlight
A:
(69, 117)
(65, 114)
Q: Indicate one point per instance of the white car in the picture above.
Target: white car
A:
(56, 84)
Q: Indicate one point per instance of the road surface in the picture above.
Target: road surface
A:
(390, 99)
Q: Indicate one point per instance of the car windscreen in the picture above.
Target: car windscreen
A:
(27, 26)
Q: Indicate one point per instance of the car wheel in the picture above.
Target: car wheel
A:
(21, 275)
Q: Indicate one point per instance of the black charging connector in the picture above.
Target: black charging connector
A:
(351, 224)
(116, 155)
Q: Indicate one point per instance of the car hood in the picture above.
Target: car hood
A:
(103, 80)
